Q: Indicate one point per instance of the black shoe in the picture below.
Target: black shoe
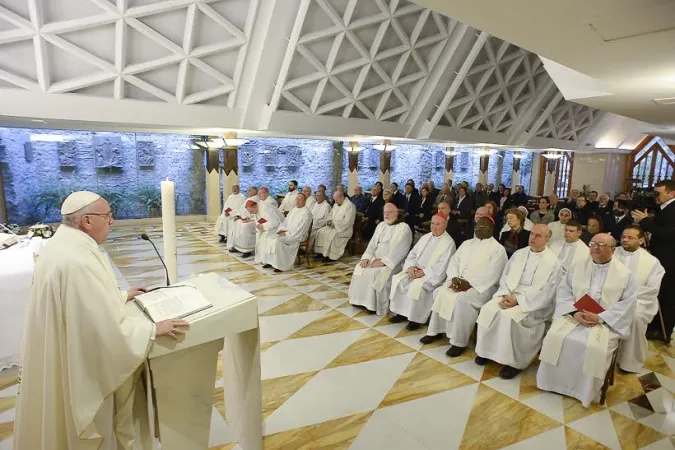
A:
(508, 372)
(234, 250)
(318, 256)
(267, 266)
(277, 271)
(326, 259)
(246, 255)
(429, 339)
(455, 351)
(398, 319)
(412, 326)
(480, 361)
(222, 239)
(657, 335)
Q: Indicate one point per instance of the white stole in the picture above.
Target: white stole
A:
(644, 268)
(381, 278)
(415, 289)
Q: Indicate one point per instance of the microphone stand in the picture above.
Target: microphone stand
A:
(145, 237)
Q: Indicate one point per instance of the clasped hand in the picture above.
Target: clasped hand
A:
(587, 319)
(415, 272)
(374, 263)
(246, 220)
(508, 301)
(459, 284)
(281, 233)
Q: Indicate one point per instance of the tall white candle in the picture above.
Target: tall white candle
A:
(169, 229)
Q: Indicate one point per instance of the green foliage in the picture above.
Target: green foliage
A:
(47, 203)
(118, 199)
(586, 190)
(149, 198)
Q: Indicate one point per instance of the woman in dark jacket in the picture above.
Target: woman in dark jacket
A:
(517, 237)
(426, 205)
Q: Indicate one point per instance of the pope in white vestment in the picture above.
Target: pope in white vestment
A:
(241, 221)
(267, 220)
(511, 326)
(386, 251)
(288, 202)
(234, 201)
(648, 273)
(424, 270)
(281, 248)
(578, 348)
(472, 279)
(332, 239)
(558, 227)
(81, 356)
(571, 250)
(320, 215)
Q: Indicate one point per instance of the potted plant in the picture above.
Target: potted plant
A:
(150, 200)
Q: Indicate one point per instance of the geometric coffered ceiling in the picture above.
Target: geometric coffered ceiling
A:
(315, 67)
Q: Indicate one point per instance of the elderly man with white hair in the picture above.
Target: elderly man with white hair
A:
(320, 215)
(332, 239)
(310, 201)
(267, 220)
(234, 201)
(241, 233)
(595, 307)
(424, 270)
(382, 259)
(280, 249)
(82, 356)
(511, 326)
(558, 227)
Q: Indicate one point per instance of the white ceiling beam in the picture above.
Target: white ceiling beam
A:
(149, 88)
(543, 117)
(155, 36)
(217, 47)
(156, 8)
(15, 19)
(74, 84)
(19, 81)
(207, 94)
(84, 23)
(39, 47)
(150, 65)
(120, 52)
(242, 56)
(204, 67)
(16, 35)
(222, 21)
(79, 52)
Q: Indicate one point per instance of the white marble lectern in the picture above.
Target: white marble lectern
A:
(184, 371)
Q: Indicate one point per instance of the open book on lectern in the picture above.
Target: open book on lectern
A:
(172, 302)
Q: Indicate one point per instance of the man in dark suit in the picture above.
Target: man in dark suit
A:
(480, 197)
(462, 207)
(433, 191)
(397, 196)
(592, 200)
(571, 202)
(520, 198)
(411, 205)
(374, 213)
(583, 211)
(605, 206)
(662, 246)
(618, 220)
(493, 195)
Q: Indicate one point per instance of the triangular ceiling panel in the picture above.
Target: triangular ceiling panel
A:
(316, 19)
(233, 10)
(198, 80)
(134, 3)
(135, 93)
(224, 62)
(5, 25)
(19, 58)
(220, 100)
(208, 31)
(170, 24)
(299, 67)
(62, 10)
(105, 90)
(18, 7)
(99, 41)
(366, 9)
(347, 53)
(141, 48)
(64, 65)
(390, 41)
(164, 78)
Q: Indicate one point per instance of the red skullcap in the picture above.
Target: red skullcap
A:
(442, 216)
(250, 203)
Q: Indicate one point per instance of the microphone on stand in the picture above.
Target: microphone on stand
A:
(145, 237)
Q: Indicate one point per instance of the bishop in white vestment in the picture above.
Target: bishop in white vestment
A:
(511, 326)
(288, 202)
(424, 270)
(332, 239)
(310, 201)
(241, 222)
(558, 227)
(578, 348)
(281, 248)
(267, 220)
(471, 280)
(234, 201)
(386, 251)
(81, 356)
(320, 215)
(571, 251)
(648, 273)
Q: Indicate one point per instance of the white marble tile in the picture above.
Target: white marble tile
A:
(507, 387)
(306, 289)
(468, 368)
(434, 430)
(10, 391)
(550, 440)
(369, 320)
(392, 329)
(623, 409)
(8, 416)
(666, 382)
(267, 302)
(599, 427)
(219, 434)
(276, 328)
(256, 285)
(548, 404)
(656, 398)
(349, 311)
(334, 303)
(302, 355)
(412, 341)
(670, 361)
(7, 444)
(380, 433)
(657, 422)
(338, 392)
(322, 295)
(663, 444)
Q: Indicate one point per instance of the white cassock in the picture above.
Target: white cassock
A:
(320, 215)
(647, 272)
(288, 203)
(575, 358)
(241, 236)
(280, 251)
(570, 254)
(506, 228)
(331, 241)
(232, 204)
(370, 286)
(557, 232)
(413, 298)
(513, 336)
(480, 262)
(270, 218)
(310, 202)
(81, 356)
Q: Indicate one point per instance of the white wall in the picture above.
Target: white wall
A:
(602, 172)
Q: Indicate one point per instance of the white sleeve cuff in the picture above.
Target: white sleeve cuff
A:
(153, 335)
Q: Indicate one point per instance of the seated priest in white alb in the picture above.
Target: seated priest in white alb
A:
(471, 281)
(571, 251)
(383, 259)
(511, 326)
(241, 221)
(82, 357)
(578, 348)
(648, 273)
(234, 201)
(320, 215)
(558, 227)
(332, 239)
(266, 199)
(310, 201)
(281, 248)
(288, 202)
(267, 220)
(412, 290)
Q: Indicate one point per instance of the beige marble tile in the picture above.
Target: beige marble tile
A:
(7, 403)
(493, 417)
(424, 376)
(372, 345)
(633, 435)
(275, 289)
(276, 391)
(229, 446)
(528, 382)
(335, 434)
(219, 402)
(9, 377)
(661, 347)
(491, 371)
(333, 322)
(265, 345)
(574, 410)
(405, 332)
(626, 386)
(578, 441)
(657, 364)
(253, 276)
(301, 303)
(6, 430)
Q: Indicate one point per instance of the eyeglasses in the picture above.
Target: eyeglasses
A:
(598, 244)
(108, 215)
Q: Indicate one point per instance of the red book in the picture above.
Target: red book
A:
(588, 304)
(262, 221)
(228, 210)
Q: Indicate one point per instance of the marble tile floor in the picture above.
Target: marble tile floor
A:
(335, 377)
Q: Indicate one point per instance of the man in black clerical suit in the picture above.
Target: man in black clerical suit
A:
(374, 213)
(411, 205)
(662, 246)
(620, 218)
(396, 195)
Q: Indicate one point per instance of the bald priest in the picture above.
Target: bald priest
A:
(82, 357)
(383, 259)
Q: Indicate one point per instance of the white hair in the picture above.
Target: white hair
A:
(73, 219)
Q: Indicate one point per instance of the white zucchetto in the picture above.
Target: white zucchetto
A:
(78, 200)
